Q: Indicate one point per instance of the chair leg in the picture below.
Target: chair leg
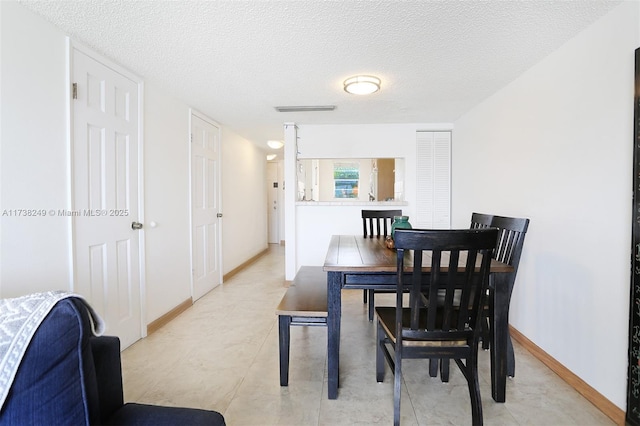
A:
(372, 304)
(380, 355)
(364, 296)
(511, 359)
(397, 386)
(485, 333)
(486, 341)
(284, 331)
(470, 371)
(444, 370)
(433, 367)
(474, 393)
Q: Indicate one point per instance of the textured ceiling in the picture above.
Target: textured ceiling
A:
(236, 60)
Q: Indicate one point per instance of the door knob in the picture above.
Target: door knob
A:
(136, 225)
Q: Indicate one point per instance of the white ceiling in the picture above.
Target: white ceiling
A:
(236, 60)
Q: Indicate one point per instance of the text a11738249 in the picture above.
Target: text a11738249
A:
(64, 212)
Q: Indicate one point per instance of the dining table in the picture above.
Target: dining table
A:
(356, 262)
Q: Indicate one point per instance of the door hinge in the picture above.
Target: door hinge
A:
(74, 91)
(191, 137)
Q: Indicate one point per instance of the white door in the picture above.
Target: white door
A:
(205, 205)
(433, 176)
(105, 195)
(272, 207)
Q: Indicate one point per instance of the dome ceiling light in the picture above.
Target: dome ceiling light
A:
(275, 144)
(362, 84)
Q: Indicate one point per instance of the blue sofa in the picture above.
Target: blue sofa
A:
(68, 376)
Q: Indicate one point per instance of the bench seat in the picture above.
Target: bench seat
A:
(304, 303)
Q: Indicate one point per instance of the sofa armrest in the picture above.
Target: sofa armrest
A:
(106, 358)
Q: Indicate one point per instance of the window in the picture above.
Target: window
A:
(346, 178)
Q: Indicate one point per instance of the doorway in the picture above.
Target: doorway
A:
(273, 204)
(206, 215)
(106, 195)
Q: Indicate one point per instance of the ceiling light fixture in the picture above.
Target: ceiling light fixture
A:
(271, 157)
(362, 84)
(275, 144)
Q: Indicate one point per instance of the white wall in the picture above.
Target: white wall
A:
(281, 201)
(35, 252)
(244, 200)
(166, 202)
(556, 146)
(315, 223)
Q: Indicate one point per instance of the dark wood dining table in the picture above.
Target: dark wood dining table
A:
(355, 262)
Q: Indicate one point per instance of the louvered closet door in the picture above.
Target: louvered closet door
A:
(433, 186)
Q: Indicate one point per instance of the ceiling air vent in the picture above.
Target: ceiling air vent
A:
(305, 108)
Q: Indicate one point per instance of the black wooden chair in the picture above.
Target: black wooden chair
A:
(511, 233)
(376, 223)
(430, 328)
(478, 221)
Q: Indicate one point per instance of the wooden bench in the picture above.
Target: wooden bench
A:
(304, 303)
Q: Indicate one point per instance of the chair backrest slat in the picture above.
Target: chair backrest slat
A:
(415, 292)
(511, 235)
(467, 299)
(377, 223)
(447, 316)
(434, 285)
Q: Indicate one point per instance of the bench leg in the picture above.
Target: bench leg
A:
(284, 331)
(372, 303)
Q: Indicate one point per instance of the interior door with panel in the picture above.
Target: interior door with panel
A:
(105, 143)
(205, 205)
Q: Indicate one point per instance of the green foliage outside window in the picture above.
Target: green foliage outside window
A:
(346, 178)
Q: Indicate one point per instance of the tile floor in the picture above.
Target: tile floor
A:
(222, 354)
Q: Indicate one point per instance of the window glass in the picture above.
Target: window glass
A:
(374, 179)
(346, 178)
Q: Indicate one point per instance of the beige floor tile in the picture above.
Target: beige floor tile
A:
(222, 354)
